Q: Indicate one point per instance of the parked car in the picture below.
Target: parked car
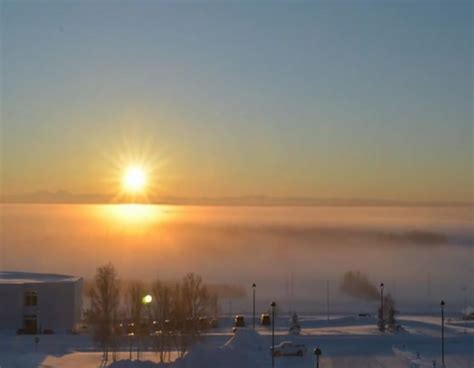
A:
(468, 317)
(213, 322)
(265, 319)
(203, 323)
(289, 348)
(239, 321)
(168, 325)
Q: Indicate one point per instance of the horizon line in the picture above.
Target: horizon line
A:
(66, 197)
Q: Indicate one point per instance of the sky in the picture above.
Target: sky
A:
(347, 99)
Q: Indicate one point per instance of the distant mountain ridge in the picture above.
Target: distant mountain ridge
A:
(66, 197)
(60, 196)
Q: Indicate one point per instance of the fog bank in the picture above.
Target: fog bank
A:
(421, 254)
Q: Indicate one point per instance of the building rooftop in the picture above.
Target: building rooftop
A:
(18, 277)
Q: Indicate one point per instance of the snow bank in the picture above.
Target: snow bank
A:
(245, 349)
(134, 364)
(413, 358)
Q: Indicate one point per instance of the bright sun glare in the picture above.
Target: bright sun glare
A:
(135, 174)
(134, 179)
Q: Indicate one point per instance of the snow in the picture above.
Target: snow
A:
(18, 277)
(134, 364)
(345, 342)
(247, 348)
(412, 358)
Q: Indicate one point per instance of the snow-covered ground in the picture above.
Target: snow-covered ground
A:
(344, 341)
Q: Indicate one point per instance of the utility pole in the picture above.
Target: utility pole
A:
(327, 298)
(273, 305)
(130, 335)
(465, 309)
(253, 288)
(428, 289)
(429, 285)
(442, 332)
(291, 292)
(382, 320)
(317, 352)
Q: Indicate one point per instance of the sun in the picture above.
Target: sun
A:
(135, 172)
(134, 180)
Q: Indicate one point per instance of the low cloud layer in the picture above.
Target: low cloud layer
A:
(238, 246)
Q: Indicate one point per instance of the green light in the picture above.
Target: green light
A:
(147, 299)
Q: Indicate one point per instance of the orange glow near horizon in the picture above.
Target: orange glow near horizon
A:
(132, 216)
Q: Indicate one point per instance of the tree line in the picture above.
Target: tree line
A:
(164, 316)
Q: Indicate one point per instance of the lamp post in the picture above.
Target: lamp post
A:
(382, 321)
(442, 332)
(130, 333)
(253, 288)
(317, 352)
(465, 309)
(146, 300)
(130, 337)
(327, 298)
(273, 305)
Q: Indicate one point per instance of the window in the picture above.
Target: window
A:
(30, 324)
(31, 298)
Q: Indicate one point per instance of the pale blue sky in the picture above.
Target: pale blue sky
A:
(325, 99)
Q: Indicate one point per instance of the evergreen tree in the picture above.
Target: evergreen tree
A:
(391, 312)
(380, 320)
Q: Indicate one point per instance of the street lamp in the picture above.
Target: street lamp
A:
(382, 322)
(273, 305)
(253, 288)
(442, 332)
(465, 309)
(130, 333)
(146, 300)
(317, 352)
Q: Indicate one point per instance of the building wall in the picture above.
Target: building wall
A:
(59, 305)
(78, 304)
(11, 304)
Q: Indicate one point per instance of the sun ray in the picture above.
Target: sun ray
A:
(134, 173)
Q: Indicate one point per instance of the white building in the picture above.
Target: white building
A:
(38, 302)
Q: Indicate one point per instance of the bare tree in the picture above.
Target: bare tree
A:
(179, 318)
(196, 297)
(179, 312)
(214, 304)
(162, 313)
(135, 293)
(104, 294)
(192, 301)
